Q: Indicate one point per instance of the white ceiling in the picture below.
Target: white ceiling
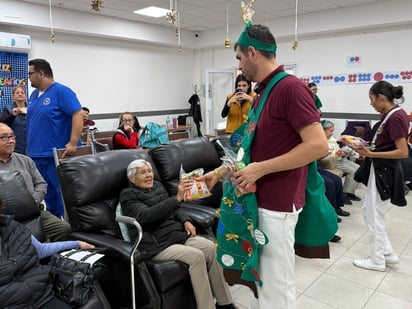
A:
(201, 15)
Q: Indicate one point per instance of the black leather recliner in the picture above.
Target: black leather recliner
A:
(190, 154)
(18, 201)
(91, 186)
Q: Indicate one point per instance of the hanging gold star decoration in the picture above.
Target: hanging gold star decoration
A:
(295, 45)
(97, 5)
(247, 11)
(171, 16)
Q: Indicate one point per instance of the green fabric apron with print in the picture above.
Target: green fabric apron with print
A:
(238, 234)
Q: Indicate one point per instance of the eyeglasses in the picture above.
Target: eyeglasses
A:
(127, 120)
(31, 73)
(6, 138)
(144, 172)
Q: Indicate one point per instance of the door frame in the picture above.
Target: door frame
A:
(209, 106)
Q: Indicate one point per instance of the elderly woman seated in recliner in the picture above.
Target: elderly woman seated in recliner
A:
(336, 160)
(170, 235)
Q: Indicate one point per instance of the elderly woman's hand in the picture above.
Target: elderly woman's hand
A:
(185, 184)
(190, 229)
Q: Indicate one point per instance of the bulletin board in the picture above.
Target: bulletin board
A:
(13, 72)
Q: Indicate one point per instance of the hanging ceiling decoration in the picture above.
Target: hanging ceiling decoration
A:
(179, 45)
(97, 5)
(227, 41)
(52, 36)
(295, 42)
(173, 18)
(247, 11)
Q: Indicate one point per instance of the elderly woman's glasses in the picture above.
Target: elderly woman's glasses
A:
(127, 120)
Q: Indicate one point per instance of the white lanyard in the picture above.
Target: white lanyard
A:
(381, 125)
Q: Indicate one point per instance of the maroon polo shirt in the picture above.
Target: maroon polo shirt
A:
(396, 127)
(289, 108)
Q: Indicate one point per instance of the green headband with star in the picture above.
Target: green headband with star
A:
(245, 40)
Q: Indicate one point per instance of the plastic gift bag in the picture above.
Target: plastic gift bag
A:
(231, 159)
(354, 142)
(198, 189)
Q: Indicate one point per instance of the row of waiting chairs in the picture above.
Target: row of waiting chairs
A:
(100, 141)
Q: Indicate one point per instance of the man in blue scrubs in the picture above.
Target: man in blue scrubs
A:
(54, 119)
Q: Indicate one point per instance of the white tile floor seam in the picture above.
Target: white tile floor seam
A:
(337, 283)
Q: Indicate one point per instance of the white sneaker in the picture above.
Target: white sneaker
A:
(368, 264)
(391, 258)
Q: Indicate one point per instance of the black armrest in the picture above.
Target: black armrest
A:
(207, 210)
(203, 219)
(114, 247)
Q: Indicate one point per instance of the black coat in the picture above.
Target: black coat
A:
(158, 215)
(24, 283)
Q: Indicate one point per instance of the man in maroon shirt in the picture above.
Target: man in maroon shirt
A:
(288, 137)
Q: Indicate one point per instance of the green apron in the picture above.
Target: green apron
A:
(318, 221)
(238, 236)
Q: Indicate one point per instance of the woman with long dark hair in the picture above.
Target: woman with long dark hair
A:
(237, 104)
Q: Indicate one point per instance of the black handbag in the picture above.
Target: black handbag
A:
(75, 281)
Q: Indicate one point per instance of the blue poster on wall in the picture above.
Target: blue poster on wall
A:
(13, 72)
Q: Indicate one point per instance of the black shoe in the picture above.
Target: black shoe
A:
(353, 197)
(343, 213)
(335, 238)
(339, 220)
(347, 201)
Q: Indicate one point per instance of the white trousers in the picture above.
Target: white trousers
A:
(374, 210)
(277, 261)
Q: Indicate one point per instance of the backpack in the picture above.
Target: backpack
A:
(153, 135)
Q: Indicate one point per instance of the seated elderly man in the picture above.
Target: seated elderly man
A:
(170, 235)
(55, 228)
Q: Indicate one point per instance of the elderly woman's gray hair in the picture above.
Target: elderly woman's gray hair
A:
(326, 124)
(134, 165)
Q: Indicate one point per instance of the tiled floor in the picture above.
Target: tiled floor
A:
(336, 283)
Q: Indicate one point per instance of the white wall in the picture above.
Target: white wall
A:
(382, 51)
(112, 76)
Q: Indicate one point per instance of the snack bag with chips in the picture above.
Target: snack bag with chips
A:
(198, 189)
(354, 142)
